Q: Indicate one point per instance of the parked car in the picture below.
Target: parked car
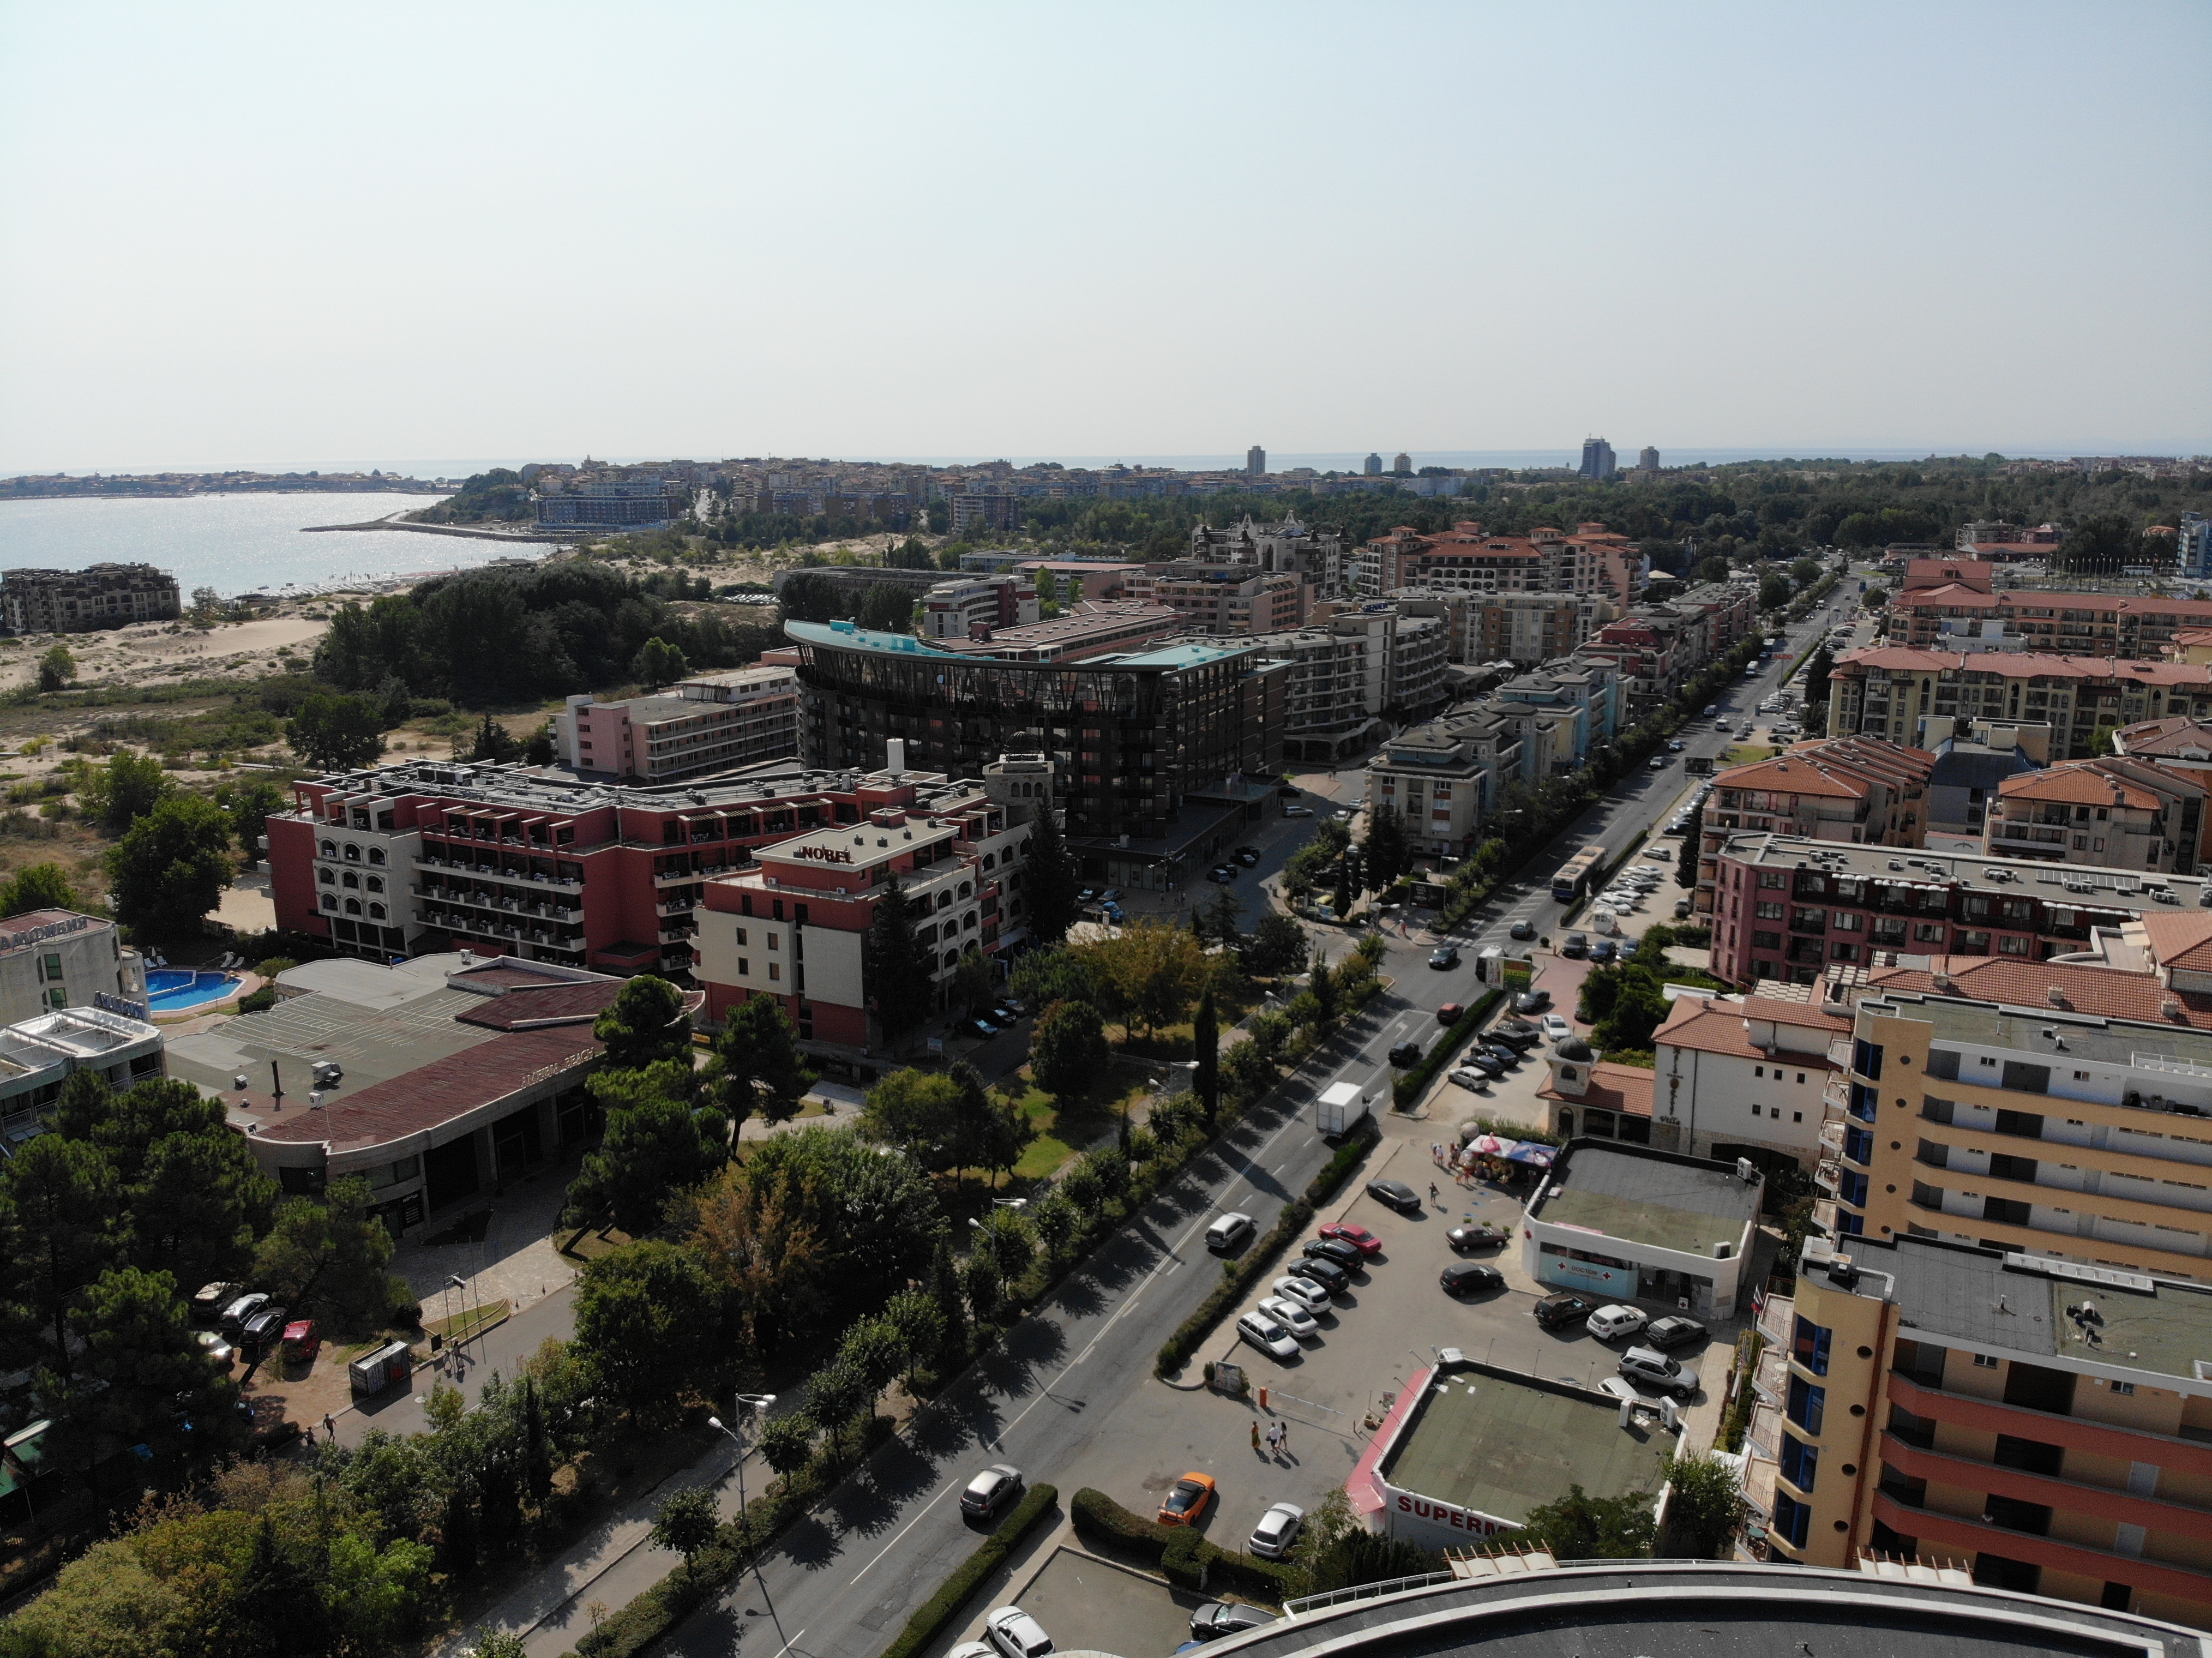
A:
(991, 1490)
(1518, 1033)
(1304, 1291)
(1600, 951)
(1187, 1500)
(235, 1314)
(1330, 1275)
(1406, 1055)
(1563, 1307)
(1467, 1277)
(1521, 930)
(1358, 1237)
(1346, 1256)
(1444, 956)
(1613, 1322)
(1247, 856)
(1291, 1316)
(1218, 1618)
(209, 1300)
(1674, 1330)
(1477, 1059)
(1229, 1231)
(1556, 1029)
(216, 1346)
(982, 1029)
(1532, 1001)
(1017, 1635)
(1479, 1234)
(1396, 1194)
(1577, 945)
(302, 1341)
(1469, 1076)
(1221, 874)
(1269, 1336)
(1278, 1529)
(1297, 811)
(1450, 1013)
(263, 1329)
(1649, 1368)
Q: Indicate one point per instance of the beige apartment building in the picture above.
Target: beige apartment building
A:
(2106, 814)
(1443, 778)
(707, 723)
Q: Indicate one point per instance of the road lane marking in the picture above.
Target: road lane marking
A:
(795, 1639)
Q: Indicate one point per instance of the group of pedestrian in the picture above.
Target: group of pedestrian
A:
(1278, 1437)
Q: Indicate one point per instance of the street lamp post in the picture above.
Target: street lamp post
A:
(748, 1404)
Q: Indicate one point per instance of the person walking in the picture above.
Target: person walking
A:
(1283, 1437)
(331, 1426)
(1255, 1433)
(1432, 1193)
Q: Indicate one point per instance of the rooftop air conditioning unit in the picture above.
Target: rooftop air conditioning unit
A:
(1744, 1171)
(1723, 1250)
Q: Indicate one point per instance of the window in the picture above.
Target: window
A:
(1808, 1345)
(330, 901)
(376, 884)
(1851, 1187)
(349, 879)
(741, 935)
(1864, 1101)
(1771, 878)
(1866, 1059)
(775, 970)
(376, 854)
(2123, 1388)
(1791, 1519)
(353, 906)
(1807, 1404)
(376, 912)
(774, 941)
(1985, 1361)
(1800, 1462)
(53, 966)
(744, 966)
(1767, 912)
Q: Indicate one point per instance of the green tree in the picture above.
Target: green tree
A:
(1704, 1508)
(198, 1206)
(1805, 572)
(56, 668)
(1205, 1037)
(1328, 998)
(1006, 1236)
(982, 1283)
(1056, 974)
(876, 1348)
(492, 744)
(920, 1322)
(787, 1442)
(326, 1256)
(251, 805)
(657, 1143)
(155, 1385)
(646, 1025)
(1055, 1218)
(900, 969)
(761, 1070)
(951, 1305)
(686, 1522)
(170, 868)
(919, 1110)
(56, 1198)
(972, 981)
(1068, 1050)
(539, 748)
(888, 608)
(646, 1324)
(335, 731)
(1049, 881)
(657, 663)
(1816, 674)
(1277, 947)
(1385, 854)
(37, 886)
(1773, 591)
(1686, 860)
(119, 793)
(1580, 1527)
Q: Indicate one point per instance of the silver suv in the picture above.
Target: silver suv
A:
(1647, 1366)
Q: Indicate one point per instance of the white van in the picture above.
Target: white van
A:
(1231, 1231)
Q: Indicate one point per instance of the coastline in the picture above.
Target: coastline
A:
(532, 537)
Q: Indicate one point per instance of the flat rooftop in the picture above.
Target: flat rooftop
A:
(2054, 883)
(552, 789)
(1503, 1446)
(1989, 1298)
(1654, 1198)
(2085, 1035)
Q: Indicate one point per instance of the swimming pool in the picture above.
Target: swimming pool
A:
(170, 989)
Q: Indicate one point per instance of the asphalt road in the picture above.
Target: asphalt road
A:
(1069, 1396)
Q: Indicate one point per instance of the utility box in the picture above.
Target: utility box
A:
(1340, 1109)
(372, 1373)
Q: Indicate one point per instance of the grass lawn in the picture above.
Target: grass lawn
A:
(461, 1326)
(591, 1243)
(1744, 753)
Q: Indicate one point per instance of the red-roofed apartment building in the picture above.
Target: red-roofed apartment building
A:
(1910, 694)
(1593, 559)
(2106, 814)
(1869, 792)
(1744, 1076)
(2080, 624)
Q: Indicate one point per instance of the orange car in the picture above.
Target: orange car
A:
(1188, 1498)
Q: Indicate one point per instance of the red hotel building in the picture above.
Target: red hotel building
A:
(507, 859)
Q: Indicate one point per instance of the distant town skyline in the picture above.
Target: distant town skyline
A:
(280, 233)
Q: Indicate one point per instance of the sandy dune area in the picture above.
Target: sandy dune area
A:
(152, 654)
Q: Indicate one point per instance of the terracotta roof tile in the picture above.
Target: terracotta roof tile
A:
(2103, 991)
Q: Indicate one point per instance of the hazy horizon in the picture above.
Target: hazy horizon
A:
(978, 231)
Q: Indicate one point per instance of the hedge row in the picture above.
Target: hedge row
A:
(1183, 1553)
(942, 1608)
(1413, 1084)
(656, 1610)
(1238, 1276)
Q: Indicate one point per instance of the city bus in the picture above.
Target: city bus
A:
(1574, 875)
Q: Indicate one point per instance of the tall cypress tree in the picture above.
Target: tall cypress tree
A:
(1206, 1040)
(900, 966)
(1050, 880)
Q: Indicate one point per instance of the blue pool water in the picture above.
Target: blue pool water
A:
(168, 989)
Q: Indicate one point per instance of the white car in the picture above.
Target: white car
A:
(1556, 1029)
(1610, 1323)
(1269, 1337)
(1467, 1076)
(1277, 1530)
(1304, 1291)
(1292, 1317)
(1017, 1635)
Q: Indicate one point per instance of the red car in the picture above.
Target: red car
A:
(1358, 1236)
(302, 1341)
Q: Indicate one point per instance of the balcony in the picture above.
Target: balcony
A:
(480, 872)
(1969, 1537)
(2047, 1491)
(2190, 1456)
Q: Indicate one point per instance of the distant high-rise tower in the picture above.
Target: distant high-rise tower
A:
(1255, 461)
(1648, 460)
(1403, 463)
(1597, 459)
(1374, 466)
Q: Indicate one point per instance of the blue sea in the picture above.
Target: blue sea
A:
(239, 544)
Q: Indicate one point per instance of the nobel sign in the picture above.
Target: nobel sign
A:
(823, 854)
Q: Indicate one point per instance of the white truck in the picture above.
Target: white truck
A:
(1340, 1108)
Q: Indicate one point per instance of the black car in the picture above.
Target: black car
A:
(1221, 874)
(1501, 1052)
(1218, 1618)
(1480, 1234)
(1467, 1277)
(1444, 956)
(263, 1329)
(1601, 951)
(1563, 1308)
(1319, 1269)
(1517, 1035)
(1346, 1256)
(1396, 1194)
(1521, 930)
(1482, 1060)
(1246, 856)
(1532, 1001)
(1406, 1055)
(1577, 945)
(1672, 1332)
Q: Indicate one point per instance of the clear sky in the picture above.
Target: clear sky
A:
(330, 234)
